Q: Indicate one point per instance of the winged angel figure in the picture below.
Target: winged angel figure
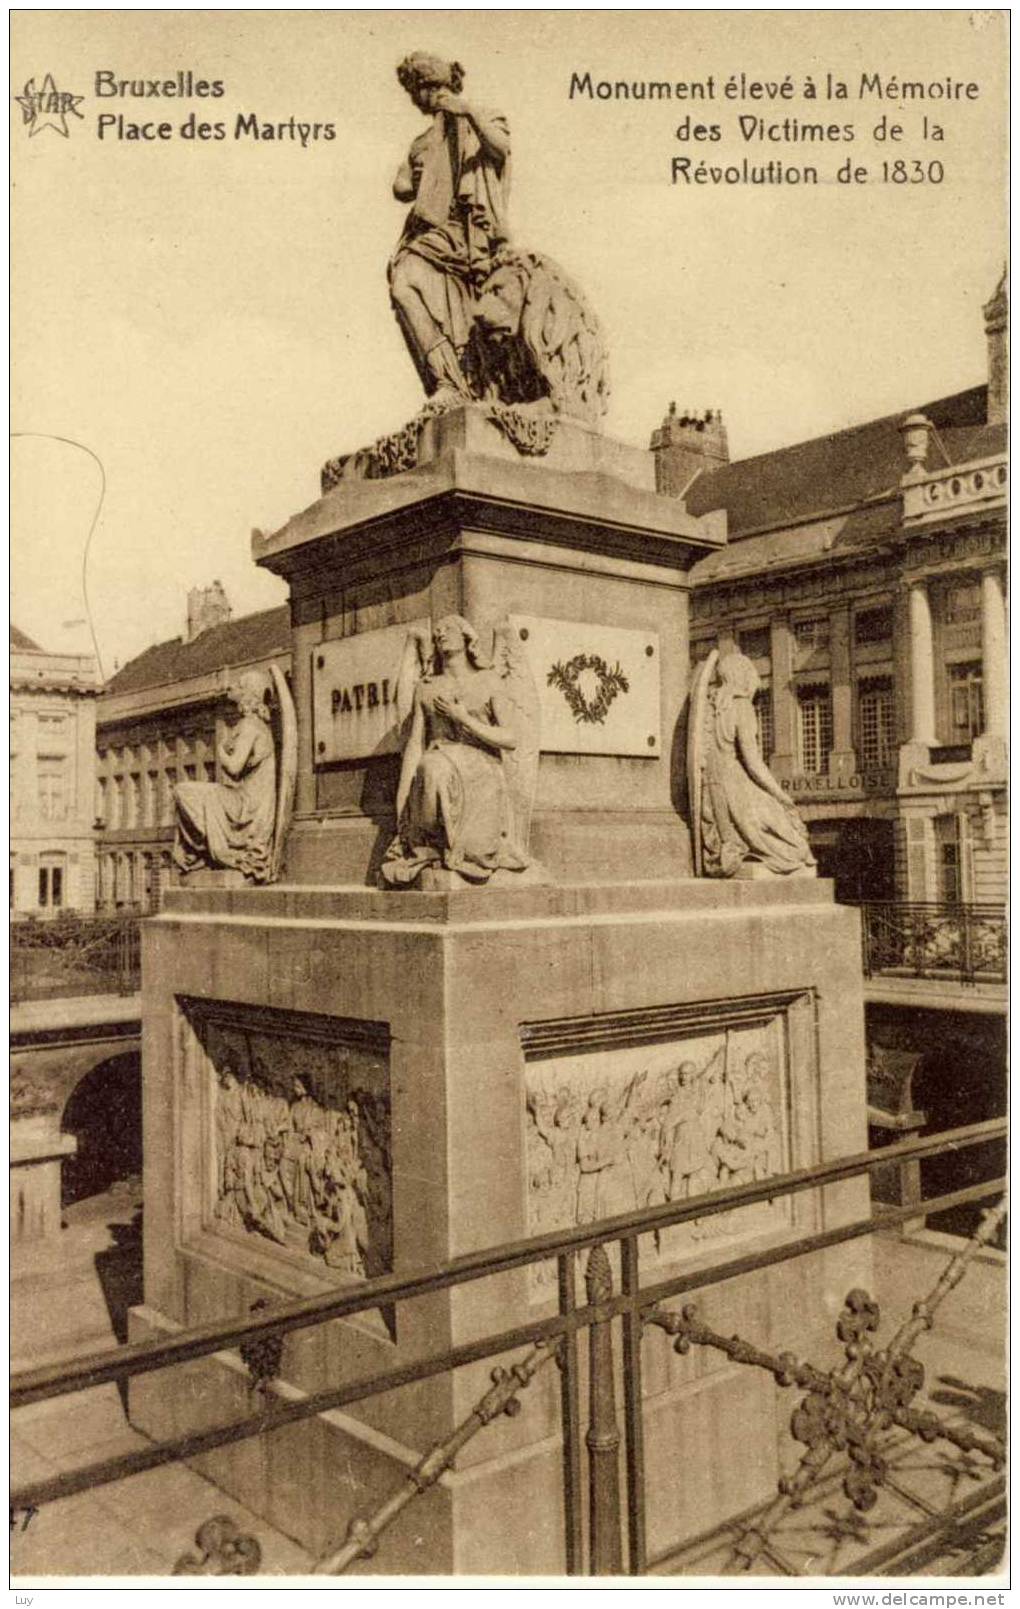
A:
(240, 823)
(470, 761)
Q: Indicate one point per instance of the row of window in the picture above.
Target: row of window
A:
(961, 605)
(145, 799)
(132, 881)
(875, 735)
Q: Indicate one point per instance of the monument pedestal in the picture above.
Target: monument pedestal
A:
(457, 1014)
(589, 563)
(341, 1081)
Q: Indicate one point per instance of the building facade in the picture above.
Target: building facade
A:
(161, 720)
(52, 866)
(865, 576)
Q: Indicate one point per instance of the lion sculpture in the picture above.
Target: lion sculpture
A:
(535, 339)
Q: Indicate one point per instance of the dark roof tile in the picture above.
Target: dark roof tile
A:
(19, 640)
(235, 642)
(841, 470)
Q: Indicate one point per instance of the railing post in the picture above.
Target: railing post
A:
(966, 945)
(633, 1408)
(570, 1409)
(603, 1438)
(866, 940)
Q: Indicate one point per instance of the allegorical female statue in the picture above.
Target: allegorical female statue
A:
(239, 823)
(456, 178)
(470, 757)
(742, 822)
(482, 320)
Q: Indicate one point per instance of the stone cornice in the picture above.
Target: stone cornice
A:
(421, 515)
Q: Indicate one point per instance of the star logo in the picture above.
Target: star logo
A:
(48, 107)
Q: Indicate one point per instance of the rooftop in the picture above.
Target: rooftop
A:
(235, 642)
(24, 643)
(840, 471)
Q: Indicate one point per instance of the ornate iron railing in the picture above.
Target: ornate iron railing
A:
(75, 955)
(839, 1418)
(951, 943)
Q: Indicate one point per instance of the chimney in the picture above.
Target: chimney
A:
(207, 607)
(997, 333)
(684, 445)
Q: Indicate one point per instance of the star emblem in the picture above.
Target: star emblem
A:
(48, 106)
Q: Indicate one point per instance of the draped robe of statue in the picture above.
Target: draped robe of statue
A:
(741, 820)
(453, 228)
(230, 823)
(457, 813)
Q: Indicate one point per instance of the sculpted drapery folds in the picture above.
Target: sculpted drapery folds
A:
(239, 823)
(456, 177)
(674, 1136)
(470, 757)
(483, 321)
(300, 1173)
(743, 821)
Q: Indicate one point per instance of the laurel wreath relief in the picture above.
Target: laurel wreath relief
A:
(592, 710)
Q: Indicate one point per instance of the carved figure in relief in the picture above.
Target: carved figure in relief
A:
(341, 1224)
(304, 1150)
(691, 1131)
(647, 1183)
(228, 1121)
(604, 1181)
(239, 823)
(743, 823)
(747, 1146)
(482, 320)
(470, 757)
(268, 1200)
(556, 1120)
(303, 1175)
(680, 1149)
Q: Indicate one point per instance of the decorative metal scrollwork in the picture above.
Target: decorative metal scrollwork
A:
(849, 1410)
(262, 1353)
(222, 1550)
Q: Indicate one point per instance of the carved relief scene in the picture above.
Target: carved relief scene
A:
(625, 1129)
(300, 1132)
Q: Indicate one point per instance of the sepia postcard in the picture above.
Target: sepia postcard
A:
(509, 749)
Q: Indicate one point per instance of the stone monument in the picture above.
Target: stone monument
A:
(489, 996)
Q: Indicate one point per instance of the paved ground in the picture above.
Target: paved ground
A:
(72, 1302)
(76, 1300)
(965, 1379)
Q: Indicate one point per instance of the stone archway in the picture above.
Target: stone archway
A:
(47, 1067)
(103, 1115)
(961, 1078)
(945, 1069)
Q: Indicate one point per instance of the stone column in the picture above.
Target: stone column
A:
(784, 725)
(993, 653)
(842, 760)
(922, 666)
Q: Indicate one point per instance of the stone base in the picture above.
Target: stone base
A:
(752, 871)
(211, 877)
(467, 1005)
(37, 1153)
(560, 442)
(567, 847)
(724, 1426)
